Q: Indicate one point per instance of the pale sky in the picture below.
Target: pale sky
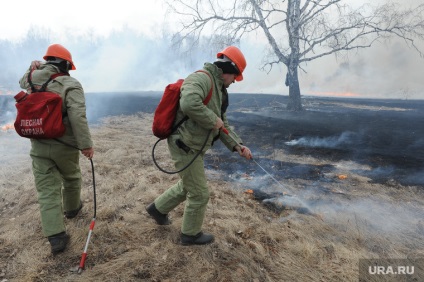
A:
(78, 16)
(387, 71)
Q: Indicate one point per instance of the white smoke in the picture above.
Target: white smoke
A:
(7, 109)
(345, 139)
(374, 215)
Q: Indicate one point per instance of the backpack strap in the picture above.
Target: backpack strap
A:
(205, 102)
(208, 98)
(44, 86)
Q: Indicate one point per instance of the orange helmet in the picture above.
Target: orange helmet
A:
(58, 51)
(237, 57)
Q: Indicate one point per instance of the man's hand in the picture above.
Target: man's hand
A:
(219, 124)
(89, 152)
(243, 151)
(35, 65)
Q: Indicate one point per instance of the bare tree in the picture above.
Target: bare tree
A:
(299, 31)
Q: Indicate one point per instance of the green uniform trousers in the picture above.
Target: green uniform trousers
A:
(191, 187)
(55, 166)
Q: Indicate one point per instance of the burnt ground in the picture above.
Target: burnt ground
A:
(386, 135)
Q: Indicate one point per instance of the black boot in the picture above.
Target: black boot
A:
(73, 213)
(161, 219)
(199, 239)
(58, 242)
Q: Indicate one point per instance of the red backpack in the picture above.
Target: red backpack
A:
(166, 111)
(39, 114)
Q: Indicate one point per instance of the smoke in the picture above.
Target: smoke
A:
(126, 60)
(7, 109)
(14, 150)
(388, 70)
(382, 162)
(123, 61)
(374, 215)
(367, 216)
(417, 177)
(345, 139)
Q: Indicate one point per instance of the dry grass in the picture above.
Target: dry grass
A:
(252, 242)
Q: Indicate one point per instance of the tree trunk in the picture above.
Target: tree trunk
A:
(293, 25)
(295, 102)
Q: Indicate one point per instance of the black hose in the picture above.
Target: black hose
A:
(94, 189)
(186, 166)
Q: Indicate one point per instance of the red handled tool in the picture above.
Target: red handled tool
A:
(93, 221)
(84, 254)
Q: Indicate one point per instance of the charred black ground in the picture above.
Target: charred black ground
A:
(385, 134)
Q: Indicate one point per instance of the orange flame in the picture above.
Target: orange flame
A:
(342, 176)
(5, 92)
(8, 126)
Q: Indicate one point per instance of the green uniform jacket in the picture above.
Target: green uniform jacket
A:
(77, 132)
(202, 118)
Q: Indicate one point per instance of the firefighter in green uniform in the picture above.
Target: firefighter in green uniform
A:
(55, 165)
(186, 142)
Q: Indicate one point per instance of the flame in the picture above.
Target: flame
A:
(7, 126)
(5, 92)
(342, 176)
